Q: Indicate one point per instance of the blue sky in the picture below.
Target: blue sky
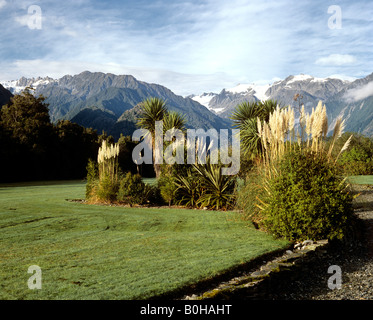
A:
(188, 46)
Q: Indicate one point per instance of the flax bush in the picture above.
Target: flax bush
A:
(217, 189)
(204, 186)
(189, 189)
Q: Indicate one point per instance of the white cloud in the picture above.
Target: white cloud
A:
(2, 3)
(336, 60)
(22, 20)
(188, 46)
(359, 93)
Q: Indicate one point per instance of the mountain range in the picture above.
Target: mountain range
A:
(351, 100)
(103, 100)
(109, 102)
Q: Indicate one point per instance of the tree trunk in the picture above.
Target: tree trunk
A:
(157, 170)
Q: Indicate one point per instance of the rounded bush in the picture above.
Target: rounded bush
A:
(131, 189)
(106, 190)
(307, 199)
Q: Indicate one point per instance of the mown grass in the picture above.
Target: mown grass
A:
(360, 179)
(103, 252)
(151, 181)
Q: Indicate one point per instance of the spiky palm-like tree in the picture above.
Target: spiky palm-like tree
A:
(174, 120)
(174, 129)
(243, 111)
(266, 108)
(152, 110)
(245, 118)
(155, 109)
(253, 110)
(250, 139)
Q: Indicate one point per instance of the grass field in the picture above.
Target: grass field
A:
(361, 179)
(151, 181)
(103, 252)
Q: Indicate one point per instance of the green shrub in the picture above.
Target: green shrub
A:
(131, 189)
(249, 191)
(106, 189)
(356, 161)
(307, 199)
(92, 179)
(167, 188)
(152, 195)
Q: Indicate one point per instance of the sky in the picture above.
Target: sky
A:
(189, 46)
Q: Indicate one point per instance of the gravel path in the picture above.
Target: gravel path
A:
(354, 259)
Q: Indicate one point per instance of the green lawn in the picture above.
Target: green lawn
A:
(151, 181)
(102, 252)
(360, 179)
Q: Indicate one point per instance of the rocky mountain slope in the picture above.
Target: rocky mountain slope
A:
(350, 99)
(106, 101)
(355, 104)
(99, 100)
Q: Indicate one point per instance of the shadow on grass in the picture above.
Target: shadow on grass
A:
(207, 284)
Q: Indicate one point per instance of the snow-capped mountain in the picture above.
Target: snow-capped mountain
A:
(350, 99)
(203, 99)
(114, 95)
(16, 86)
(354, 104)
(258, 91)
(311, 88)
(228, 98)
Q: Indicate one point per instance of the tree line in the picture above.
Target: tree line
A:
(32, 148)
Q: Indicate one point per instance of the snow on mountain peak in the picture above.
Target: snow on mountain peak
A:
(16, 86)
(257, 90)
(300, 77)
(305, 77)
(204, 99)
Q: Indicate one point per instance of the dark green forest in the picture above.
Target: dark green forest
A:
(32, 148)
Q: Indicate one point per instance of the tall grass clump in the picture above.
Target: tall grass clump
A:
(106, 183)
(299, 194)
(103, 178)
(107, 160)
